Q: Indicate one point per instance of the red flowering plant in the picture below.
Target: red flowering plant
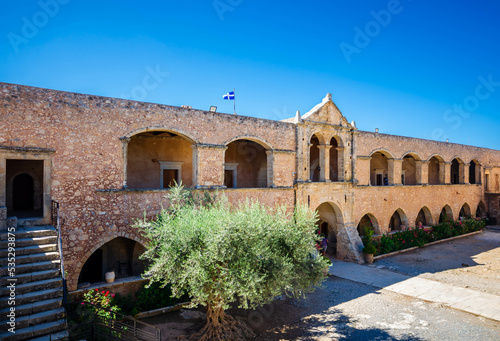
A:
(100, 304)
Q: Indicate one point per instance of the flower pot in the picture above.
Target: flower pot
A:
(369, 258)
(109, 276)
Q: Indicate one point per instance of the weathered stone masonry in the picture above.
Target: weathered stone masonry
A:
(106, 161)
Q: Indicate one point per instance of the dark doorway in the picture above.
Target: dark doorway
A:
(170, 177)
(22, 192)
(92, 269)
(24, 188)
(229, 178)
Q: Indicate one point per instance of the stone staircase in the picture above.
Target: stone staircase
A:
(38, 296)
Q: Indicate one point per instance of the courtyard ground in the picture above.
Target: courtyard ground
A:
(343, 309)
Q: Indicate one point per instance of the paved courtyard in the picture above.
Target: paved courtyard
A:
(426, 294)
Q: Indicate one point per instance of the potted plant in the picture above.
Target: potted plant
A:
(369, 250)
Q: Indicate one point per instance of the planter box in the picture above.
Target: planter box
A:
(432, 243)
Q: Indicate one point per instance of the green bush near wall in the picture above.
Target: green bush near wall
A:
(420, 236)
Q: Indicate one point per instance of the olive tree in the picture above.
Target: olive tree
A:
(221, 254)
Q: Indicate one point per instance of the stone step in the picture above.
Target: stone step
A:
(32, 267)
(33, 286)
(35, 319)
(32, 276)
(32, 297)
(64, 335)
(33, 308)
(28, 250)
(34, 331)
(30, 232)
(21, 242)
(33, 258)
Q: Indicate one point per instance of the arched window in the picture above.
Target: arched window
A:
(314, 166)
(474, 172)
(334, 160)
(456, 171)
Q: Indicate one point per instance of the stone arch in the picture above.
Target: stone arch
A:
(412, 154)
(481, 210)
(398, 221)
(474, 171)
(465, 211)
(167, 129)
(246, 164)
(436, 170)
(368, 220)
(424, 217)
(457, 171)
(379, 167)
(319, 135)
(446, 214)
(259, 140)
(330, 221)
(159, 158)
(73, 278)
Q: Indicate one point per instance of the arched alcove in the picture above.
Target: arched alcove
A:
(481, 210)
(465, 211)
(436, 170)
(158, 159)
(446, 214)
(245, 165)
(120, 255)
(409, 171)
(424, 217)
(368, 220)
(379, 169)
(398, 221)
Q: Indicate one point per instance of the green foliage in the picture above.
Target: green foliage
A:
(419, 236)
(369, 249)
(100, 304)
(148, 298)
(219, 254)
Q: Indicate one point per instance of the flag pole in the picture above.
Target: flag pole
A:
(234, 101)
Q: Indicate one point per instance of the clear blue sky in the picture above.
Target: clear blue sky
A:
(422, 68)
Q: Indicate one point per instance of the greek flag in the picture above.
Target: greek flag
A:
(229, 95)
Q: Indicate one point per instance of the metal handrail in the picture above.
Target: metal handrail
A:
(56, 222)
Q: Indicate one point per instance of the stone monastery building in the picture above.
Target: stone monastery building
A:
(106, 161)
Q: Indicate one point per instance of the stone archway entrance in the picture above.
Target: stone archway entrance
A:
(330, 220)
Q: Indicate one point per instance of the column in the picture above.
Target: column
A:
(341, 164)
(208, 165)
(466, 169)
(324, 162)
(125, 141)
(397, 165)
(270, 168)
(445, 173)
(424, 172)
